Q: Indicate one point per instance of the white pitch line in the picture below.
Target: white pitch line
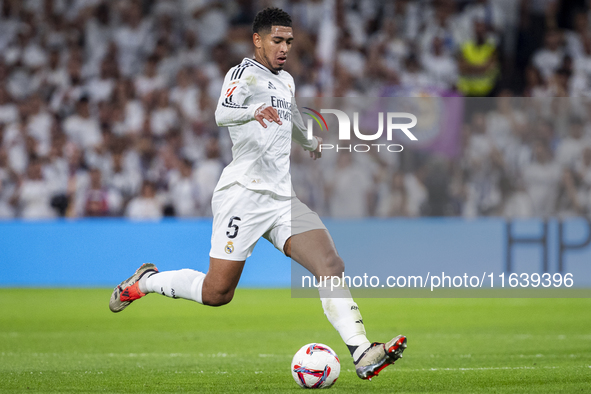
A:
(271, 355)
(486, 368)
(468, 369)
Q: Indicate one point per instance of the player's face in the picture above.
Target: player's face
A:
(275, 46)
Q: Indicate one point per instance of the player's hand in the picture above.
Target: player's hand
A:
(267, 113)
(317, 153)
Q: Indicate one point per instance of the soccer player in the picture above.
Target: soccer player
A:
(254, 199)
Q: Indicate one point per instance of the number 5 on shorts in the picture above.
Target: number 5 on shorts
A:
(233, 234)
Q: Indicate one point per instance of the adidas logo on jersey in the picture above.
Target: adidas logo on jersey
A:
(271, 86)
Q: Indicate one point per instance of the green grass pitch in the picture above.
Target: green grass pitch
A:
(67, 340)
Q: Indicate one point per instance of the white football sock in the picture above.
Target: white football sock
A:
(184, 283)
(343, 313)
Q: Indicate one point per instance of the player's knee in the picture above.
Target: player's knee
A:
(287, 247)
(219, 298)
(217, 295)
(333, 264)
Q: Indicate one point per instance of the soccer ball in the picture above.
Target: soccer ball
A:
(315, 366)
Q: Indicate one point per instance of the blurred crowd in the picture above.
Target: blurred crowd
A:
(106, 107)
(519, 157)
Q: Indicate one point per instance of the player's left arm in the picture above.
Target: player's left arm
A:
(299, 134)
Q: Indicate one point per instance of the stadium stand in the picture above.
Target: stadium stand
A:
(106, 108)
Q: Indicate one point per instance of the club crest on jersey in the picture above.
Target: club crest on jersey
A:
(229, 247)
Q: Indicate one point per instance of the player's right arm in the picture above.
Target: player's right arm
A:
(232, 109)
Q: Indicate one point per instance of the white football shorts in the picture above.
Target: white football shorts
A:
(242, 216)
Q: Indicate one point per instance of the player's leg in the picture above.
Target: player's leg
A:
(315, 251)
(325, 261)
(221, 281)
(301, 235)
(215, 288)
(241, 216)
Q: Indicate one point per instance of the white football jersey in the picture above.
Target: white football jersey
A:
(260, 155)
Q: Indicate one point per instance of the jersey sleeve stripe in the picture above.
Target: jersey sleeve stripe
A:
(237, 73)
(254, 63)
(242, 71)
(228, 103)
(233, 106)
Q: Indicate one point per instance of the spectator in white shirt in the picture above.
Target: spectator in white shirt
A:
(550, 57)
(518, 203)
(145, 206)
(13, 140)
(571, 196)
(34, 194)
(350, 58)
(8, 109)
(125, 180)
(98, 33)
(64, 99)
(26, 50)
(168, 65)
(208, 173)
(101, 88)
(81, 127)
(417, 192)
(210, 20)
(40, 123)
(349, 188)
(393, 197)
(6, 185)
(54, 76)
(133, 109)
(574, 38)
(570, 149)
(186, 96)
(184, 190)
(133, 39)
(192, 54)
(391, 47)
(440, 66)
(99, 200)
(583, 168)
(505, 123)
(580, 84)
(163, 117)
(413, 76)
(150, 80)
(542, 178)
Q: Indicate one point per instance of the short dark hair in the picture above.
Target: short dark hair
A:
(270, 17)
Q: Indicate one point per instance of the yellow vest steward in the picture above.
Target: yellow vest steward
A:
(478, 55)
